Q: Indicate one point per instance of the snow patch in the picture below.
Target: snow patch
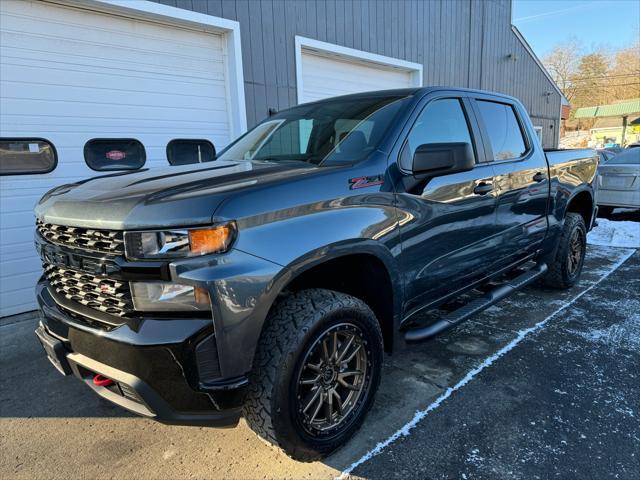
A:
(474, 457)
(621, 335)
(615, 234)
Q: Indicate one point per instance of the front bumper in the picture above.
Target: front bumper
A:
(154, 363)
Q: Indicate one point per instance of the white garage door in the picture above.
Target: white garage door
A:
(324, 75)
(70, 75)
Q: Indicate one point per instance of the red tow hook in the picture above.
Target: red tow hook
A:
(101, 381)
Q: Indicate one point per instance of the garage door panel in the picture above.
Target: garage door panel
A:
(72, 74)
(12, 220)
(125, 102)
(105, 75)
(23, 250)
(97, 109)
(27, 267)
(102, 78)
(60, 23)
(70, 124)
(23, 203)
(15, 239)
(18, 301)
(123, 58)
(326, 76)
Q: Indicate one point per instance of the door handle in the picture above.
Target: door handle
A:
(539, 177)
(482, 188)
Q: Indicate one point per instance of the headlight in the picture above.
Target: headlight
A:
(167, 296)
(160, 244)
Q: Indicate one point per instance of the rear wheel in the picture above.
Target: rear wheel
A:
(316, 373)
(565, 269)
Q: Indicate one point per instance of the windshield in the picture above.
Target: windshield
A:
(329, 132)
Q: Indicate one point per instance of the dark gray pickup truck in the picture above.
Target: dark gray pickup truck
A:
(269, 283)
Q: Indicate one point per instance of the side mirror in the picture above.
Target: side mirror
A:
(434, 159)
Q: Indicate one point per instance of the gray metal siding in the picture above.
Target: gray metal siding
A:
(463, 43)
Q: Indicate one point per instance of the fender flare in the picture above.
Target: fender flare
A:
(579, 190)
(334, 251)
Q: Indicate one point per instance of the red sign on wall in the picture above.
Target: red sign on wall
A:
(115, 155)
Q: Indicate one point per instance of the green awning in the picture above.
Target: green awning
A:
(613, 110)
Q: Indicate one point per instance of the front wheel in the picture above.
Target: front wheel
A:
(316, 372)
(565, 268)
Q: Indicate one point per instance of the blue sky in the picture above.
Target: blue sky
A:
(595, 23)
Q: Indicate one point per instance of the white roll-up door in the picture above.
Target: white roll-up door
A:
(325, 75)
(68, 75)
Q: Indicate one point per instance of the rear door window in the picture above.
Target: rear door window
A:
(187, 151)
(503, 129)
(108, 154)
(24, 156)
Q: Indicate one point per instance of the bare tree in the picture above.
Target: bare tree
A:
(625, 73)
(563, 63)
(590, 83)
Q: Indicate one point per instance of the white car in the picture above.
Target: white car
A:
(620, 181)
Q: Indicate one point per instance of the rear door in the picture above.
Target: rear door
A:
(447, 222)
(521, 182)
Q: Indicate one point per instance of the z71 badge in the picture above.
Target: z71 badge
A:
(362, 182)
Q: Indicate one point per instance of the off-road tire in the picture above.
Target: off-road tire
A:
(293, 325)
(559, 274)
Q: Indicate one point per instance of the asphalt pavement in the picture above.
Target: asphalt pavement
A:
(543, 385)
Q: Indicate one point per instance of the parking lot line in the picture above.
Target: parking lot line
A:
(419, 415)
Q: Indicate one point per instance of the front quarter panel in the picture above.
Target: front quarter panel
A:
(281, 233)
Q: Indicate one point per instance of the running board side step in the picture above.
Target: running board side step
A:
(475, 306)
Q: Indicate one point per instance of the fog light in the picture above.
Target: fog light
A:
(167, 296)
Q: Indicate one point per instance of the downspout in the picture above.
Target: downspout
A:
(624, 130)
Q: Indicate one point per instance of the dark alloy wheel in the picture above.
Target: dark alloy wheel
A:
(566, 265)
(333, 376)
(315, 374)
(576, 251)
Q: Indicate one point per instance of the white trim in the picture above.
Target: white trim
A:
(538, 129)
(350, 54)
(530, 51)
(152, 11)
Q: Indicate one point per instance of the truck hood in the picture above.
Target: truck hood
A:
(154, 198)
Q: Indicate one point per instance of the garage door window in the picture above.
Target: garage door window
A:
(23, 156)
(184, 152)
(105, 154)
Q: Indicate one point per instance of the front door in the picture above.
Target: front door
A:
(447, 222)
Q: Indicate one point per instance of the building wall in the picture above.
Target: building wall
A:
(462, 43)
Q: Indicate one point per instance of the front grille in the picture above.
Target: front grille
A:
(104, 241)
(101, 294)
